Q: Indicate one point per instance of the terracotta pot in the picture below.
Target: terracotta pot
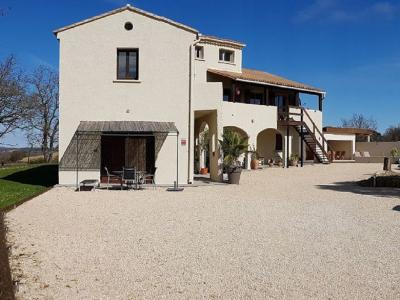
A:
(293, 163)
(254, 164)
(234, 176)
(204, 171)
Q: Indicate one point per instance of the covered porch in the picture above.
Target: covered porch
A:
(99, 149)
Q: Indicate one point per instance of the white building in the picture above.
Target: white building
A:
(130, 80)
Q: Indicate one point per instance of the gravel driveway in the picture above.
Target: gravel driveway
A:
(297, 233)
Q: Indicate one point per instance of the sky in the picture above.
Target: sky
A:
(350, 49)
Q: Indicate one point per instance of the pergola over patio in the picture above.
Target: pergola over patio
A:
(84, 154)
(365, 132)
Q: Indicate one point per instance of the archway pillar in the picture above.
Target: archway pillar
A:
(287, 146)
(252, 142)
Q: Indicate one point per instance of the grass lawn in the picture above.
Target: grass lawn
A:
(22, 182)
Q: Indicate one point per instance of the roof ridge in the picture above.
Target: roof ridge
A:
(132, 9)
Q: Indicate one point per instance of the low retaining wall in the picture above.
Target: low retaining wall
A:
(372, 159)
(377, 149)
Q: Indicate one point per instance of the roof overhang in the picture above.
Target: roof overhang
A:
(273, 80)
(207, 39)
(116, 127)
(349, 130)
(309, 91)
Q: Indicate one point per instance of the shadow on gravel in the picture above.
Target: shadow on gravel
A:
(44, 175)
(6, 284)
(353, 187)
(397, 208)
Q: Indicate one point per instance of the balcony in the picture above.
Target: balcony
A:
(247, 116)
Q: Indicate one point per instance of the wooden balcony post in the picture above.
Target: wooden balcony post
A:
(302, 139)
(320, 99)
(287, 146)
(233, 92)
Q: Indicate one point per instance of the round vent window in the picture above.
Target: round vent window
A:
(128, 26)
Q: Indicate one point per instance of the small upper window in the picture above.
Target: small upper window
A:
(226, 55)
(128, 64)
(199, 52)
(128, 26)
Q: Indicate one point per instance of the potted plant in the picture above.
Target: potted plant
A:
(232, 146)
(271, 162)
(254, 159)
(294, 160)
(204, 171)
(204, 142)
(395, 154)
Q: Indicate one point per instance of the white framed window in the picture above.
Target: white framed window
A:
(226, 56)
(199, 52)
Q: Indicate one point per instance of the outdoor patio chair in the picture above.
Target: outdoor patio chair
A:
(150, 177)
(343, 155)
(366, 154)
(109, 177)
(330, 155)
(128, 177)
(337, 155)
(357, 154)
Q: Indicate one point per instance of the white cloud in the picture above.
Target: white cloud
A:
(336, 10)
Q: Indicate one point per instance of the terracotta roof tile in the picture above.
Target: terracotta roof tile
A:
(221, 41)
(264, 77)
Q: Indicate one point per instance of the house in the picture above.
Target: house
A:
(137, 89)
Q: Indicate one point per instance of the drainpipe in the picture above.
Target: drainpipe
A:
(191, 75)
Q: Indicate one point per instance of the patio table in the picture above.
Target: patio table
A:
(138, 175)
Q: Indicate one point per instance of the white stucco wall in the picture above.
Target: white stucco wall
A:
(89, 90)
(208, 95)
(251, 118)
(211, 57)
(315, 115)
(350, 146)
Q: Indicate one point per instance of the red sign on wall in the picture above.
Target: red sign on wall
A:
(183, 142)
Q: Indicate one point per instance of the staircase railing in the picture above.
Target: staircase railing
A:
(314, 130)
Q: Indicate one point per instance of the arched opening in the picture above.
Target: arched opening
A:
(243, 134)
(270, 145)
(202, 149)
(240, 131)
(205, 146)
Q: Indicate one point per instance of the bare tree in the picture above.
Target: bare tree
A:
(361, 121)
(392, 134)
(32, 139)
(14, 106)
(44, 101)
